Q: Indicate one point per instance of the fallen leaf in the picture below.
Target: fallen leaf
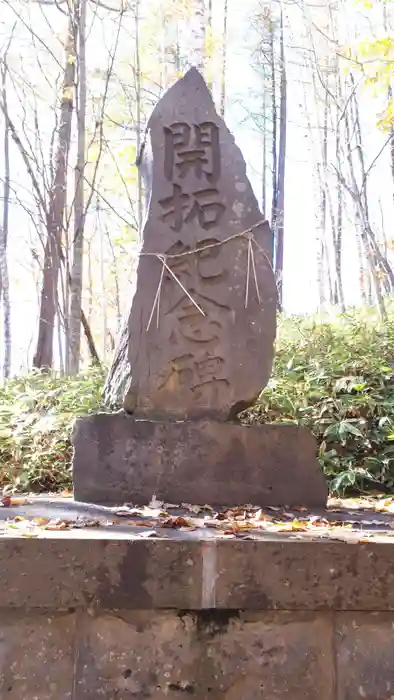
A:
(89, 523)
(41, 521)
(19, 501)
(58, 525)
(30, 533)
(179, 521)
(155, 504)
(149, 533)
(196, 509)
(385, 506)
(242, 526)
(293, 526)
(259, 515)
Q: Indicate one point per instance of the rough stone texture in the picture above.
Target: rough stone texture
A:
(209, 655)
(215, 620)
(139, 654)
(185, 364)
(63, 574)
(365, 653)
(118, 459)
(230, 656)
(282, 574)
(36, 656)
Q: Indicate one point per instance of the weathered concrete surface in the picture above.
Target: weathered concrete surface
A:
(288, 574)
(365, 653)
(217, 620)
(210, 655)
(36, 656)
(233, 656)
(207, 352)
(118, 459)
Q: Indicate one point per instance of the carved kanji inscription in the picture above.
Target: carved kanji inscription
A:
(202, 205)
(195, 348)
(192, 148)
(202, 368)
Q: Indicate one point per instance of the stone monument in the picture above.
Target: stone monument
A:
(199, 344)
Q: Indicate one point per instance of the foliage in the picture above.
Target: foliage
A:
(36, 415)
(372, 58)
(336, 377)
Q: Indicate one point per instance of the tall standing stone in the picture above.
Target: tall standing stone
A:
(202, 325)
(198, 346)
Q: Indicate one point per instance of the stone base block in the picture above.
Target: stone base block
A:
(118, 459)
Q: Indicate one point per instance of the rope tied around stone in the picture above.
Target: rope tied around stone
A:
(251, 265)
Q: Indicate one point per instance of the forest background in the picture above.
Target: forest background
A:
(307, 89)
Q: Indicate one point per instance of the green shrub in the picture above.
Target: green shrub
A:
(36, 414)
(336, 377)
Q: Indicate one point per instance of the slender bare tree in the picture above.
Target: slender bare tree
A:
(79, 210)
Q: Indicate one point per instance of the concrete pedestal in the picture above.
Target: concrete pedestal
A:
(118, 459)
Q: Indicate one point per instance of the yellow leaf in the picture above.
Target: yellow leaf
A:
(67, 94)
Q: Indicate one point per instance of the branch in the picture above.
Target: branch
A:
(374, 161)
(32, 32)
(101, 132)
(24, 155)
(354, 195)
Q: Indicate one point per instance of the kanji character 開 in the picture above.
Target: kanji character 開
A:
(203, 157)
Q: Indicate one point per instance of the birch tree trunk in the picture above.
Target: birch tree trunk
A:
(138, 125)
(79, 212)
(223, 77)
(4, 276)
(43, 357)
(361, 214)
(280, 204)
(198, 34)
(337, 235)
(264, 163)
(274, 146)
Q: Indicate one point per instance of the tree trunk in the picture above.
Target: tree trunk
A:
(280, 205)
(274, 132)
(389, 100)
(208, 32)
(138, 116)
(223, 77)
(43, 358)
(198, 35)
(79, 213)
(382, 265)
(264, 164)
(4, 276)
(337, 234)
(364, 297)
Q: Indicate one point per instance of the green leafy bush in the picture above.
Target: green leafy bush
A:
(337, 378)
(36, 415)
